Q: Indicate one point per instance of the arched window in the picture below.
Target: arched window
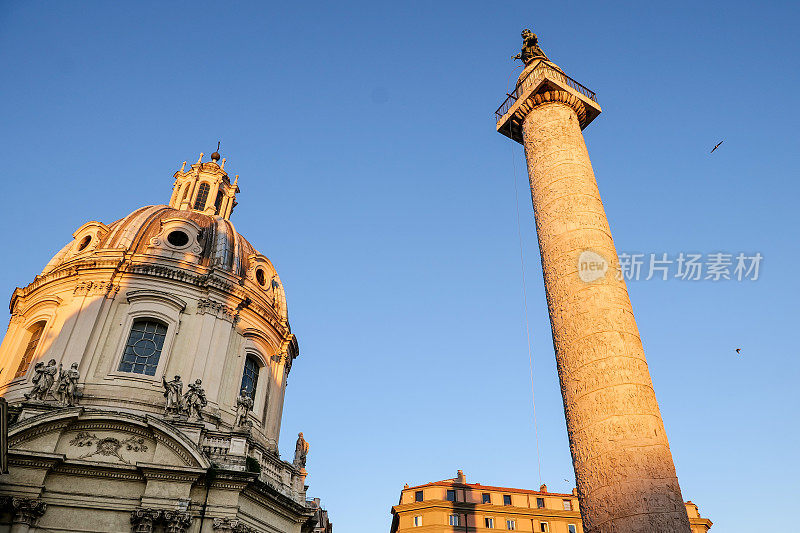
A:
(202, 196)
(250, 375)
(143, 348)
(218, 201)
(35, 332)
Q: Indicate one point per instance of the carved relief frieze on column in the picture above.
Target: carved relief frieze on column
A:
(143, 519)
(177, 521)
(27, 511)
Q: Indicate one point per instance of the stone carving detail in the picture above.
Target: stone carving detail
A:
(95, 288)
(537, 99)
(143, 519)
(194, 400)
(624, 471)
(173, 392)
(43, 380)
(232, 525)
(530, 48)
(27, 510)
(274, 287)
(67, 388)
(215, 308)
(188, 405)
(176, 521)
(300, 452)
(108, 446)
(51, 380)
(287, 363)
(244, 404)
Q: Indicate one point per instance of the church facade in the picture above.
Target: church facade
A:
(145, 369)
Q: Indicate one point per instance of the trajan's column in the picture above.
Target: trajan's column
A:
(623, 465)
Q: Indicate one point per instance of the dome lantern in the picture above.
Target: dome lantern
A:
(204, 188)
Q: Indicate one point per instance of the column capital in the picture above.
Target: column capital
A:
(27, 510)
(543, 82)
(176, 521)
(143, 518)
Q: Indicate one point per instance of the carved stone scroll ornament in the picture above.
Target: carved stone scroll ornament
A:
(108, 446)
(176, 521)
(27, 510)
(232, 525)
(143, 519)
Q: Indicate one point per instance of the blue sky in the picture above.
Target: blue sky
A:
(372, 177)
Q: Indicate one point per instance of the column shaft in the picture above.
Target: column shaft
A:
(623, 466)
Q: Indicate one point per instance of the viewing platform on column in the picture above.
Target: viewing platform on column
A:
(539, 80)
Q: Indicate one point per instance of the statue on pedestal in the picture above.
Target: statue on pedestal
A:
(244, 404)
(300, 452)
(194, 400)
(173, 392)
(43, 380)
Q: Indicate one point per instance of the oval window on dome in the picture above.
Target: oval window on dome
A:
(178, 238)
(84, 243)
(260, 277)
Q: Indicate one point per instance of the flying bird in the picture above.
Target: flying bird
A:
(717, 146)
(738, 350)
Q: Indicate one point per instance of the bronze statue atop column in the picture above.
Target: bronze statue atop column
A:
(530, 48)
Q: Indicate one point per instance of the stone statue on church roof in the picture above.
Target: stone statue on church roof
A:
(45, 376)
(173, 392)
(67, 388)
(244, 404)
(194, 400)
(530, 48)
(300, 452)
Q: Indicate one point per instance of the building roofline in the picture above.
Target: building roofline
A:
(454, 483)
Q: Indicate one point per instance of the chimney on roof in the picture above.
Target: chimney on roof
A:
(543, 488)
(460, 477)
(575, 491)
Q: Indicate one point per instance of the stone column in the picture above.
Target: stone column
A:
(623, 466)
(26, 512)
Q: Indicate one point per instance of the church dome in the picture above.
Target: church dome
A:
(192, 237)
(220, 245)
(159, 343)
(166, 290)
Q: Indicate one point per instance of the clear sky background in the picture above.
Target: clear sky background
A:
(372, 177)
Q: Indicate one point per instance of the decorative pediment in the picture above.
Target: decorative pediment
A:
(79, 436)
